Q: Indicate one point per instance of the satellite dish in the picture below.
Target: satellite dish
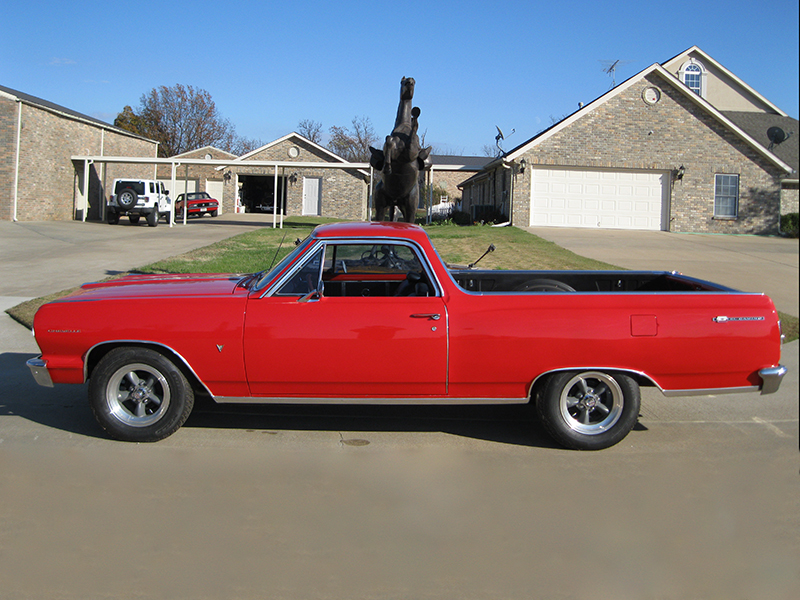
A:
(776, 135)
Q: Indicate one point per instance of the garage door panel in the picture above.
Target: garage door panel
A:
(608, 199)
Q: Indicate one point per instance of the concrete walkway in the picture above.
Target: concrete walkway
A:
(743, 262)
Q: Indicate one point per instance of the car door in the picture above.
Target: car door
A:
(358, 340)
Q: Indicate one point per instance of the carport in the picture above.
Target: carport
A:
(277, 176)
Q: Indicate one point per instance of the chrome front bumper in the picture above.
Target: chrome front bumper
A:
(39, 371)
(772, 378)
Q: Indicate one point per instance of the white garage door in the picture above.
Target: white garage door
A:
(605, 199)
(215, 189)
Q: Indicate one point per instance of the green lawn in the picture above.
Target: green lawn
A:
(258, 250)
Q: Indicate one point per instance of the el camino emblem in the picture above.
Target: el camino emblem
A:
(723, 319)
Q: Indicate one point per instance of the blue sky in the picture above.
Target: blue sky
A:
(267, 65)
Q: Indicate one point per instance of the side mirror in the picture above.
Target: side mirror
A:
(314, 295)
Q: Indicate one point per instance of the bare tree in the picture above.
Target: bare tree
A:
(180, 118)
(353, 145)
(311, 130)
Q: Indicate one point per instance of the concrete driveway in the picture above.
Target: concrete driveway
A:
(743, 262)
(336, 502)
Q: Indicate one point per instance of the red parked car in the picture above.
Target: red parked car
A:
(200, 203)
(368, 313)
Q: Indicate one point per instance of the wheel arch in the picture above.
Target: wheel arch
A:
(642, 379)
(96, 353)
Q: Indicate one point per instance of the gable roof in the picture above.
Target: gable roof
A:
(295, 135)
(677, 85)
(679, 59)
(64, 111)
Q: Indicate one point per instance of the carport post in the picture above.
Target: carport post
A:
(371, 190)
(275, 200)
(186, 194)
(172, 185)
(85, 191)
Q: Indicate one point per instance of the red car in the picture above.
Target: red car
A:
(368, 313)
(200, 203)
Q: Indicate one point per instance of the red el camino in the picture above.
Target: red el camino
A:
(352, 297)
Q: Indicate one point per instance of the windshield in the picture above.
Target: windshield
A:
(265, 278)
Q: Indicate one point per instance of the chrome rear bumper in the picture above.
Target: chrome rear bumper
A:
(772, 378)
(39, 371)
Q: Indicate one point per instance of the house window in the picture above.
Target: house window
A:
(726, 196)
(693, 75)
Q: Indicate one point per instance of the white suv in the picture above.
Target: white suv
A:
(137, 197)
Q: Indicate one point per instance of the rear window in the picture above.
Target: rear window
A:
(136, 186)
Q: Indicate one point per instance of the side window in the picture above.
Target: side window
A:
(374, 270)
(370, 259)
(305, 280)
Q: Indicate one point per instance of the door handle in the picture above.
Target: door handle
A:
(433, 316)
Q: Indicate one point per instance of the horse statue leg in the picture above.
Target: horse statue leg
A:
(381, 201)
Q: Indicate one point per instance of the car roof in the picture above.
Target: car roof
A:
(374, 229)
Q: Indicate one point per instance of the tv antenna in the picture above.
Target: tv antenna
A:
(610, 68)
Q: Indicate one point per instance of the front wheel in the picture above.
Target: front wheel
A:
(139, 395)
(588, 410)
(152, 218)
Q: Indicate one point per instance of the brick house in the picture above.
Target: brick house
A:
(38, 180)
(304, 189)
(677, 147)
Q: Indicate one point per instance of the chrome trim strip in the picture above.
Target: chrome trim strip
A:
(772, 377)
(433, 400)
(603, 369)
(709, 391)
(39, 371)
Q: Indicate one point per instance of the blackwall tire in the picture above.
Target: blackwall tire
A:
(139, 395)
(112, 217)
(127, 198)
(152, 218)
(588, 410)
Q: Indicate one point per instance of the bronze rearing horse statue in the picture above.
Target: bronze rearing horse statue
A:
(400, 161)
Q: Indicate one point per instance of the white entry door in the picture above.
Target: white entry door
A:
(604, 199)
(312, 195)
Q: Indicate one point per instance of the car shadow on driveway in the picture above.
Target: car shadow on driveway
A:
(62, 407)
(514, 425)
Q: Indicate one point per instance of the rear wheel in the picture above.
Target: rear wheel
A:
(588, 410)
(139, 395)
(112, 217)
